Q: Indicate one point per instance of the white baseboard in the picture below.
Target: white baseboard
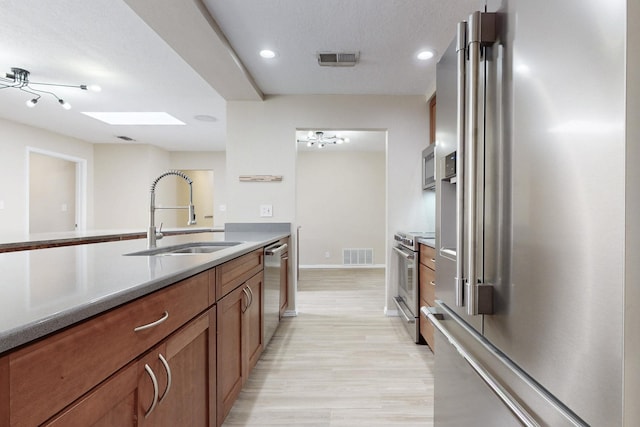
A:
(340, 266)
(290, 313)
(390, 313)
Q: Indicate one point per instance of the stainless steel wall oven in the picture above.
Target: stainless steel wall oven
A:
(405, 269)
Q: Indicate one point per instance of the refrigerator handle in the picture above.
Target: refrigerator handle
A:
(481, 32)
(471, 163)
(461, 53)
(439, 316)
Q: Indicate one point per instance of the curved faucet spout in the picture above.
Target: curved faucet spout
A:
(152, 234)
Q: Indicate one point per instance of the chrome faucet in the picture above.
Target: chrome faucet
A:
(152, 233)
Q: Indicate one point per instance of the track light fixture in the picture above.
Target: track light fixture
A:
(318, 139)
(18, 78)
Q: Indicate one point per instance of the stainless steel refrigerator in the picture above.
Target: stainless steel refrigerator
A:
(538, 230)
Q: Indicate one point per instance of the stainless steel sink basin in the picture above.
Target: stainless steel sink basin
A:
(186, 249)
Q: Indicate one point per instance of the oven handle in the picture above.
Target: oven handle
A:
(403, 253)
(408, 319)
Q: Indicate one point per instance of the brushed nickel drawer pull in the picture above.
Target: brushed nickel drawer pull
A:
(155, 389)
(168, 369)
(244, 290)
(164, 317)
(251, 292)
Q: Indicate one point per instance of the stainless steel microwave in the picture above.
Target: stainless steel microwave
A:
(429, 168)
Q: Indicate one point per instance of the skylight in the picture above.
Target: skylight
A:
(134, 118)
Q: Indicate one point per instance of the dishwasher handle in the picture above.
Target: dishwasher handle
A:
(275, 249)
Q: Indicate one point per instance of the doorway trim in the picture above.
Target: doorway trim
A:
(81, 184)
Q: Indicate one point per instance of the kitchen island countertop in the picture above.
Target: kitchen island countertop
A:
(45, 290)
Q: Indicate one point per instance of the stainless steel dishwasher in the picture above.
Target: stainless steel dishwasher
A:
(272, 266)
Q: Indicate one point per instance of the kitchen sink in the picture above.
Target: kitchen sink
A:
(186, 249)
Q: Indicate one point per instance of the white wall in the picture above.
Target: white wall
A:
(14, 140)
(340, 204)
(261, 140)
(123, 177)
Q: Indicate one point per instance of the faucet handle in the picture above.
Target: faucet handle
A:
(159, 234)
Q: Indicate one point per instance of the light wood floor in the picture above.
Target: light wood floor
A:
(341, 362)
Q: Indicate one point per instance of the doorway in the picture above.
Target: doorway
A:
(202, 198)
(56, 192)
(341, 199)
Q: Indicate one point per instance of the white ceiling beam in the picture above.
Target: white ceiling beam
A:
(190, 30)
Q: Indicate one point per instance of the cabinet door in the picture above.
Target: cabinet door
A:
(253, 322)
(284, 283)
(230, 346)
(184, 370)
(110, 404)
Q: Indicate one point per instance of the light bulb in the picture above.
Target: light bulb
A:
(339, 141)
(425, 54)
(267, 54)
(32, 102)
(94, 88)
(309, 144)
(64, 104)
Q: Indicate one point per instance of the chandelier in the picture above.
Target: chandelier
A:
(18, 78)
(318, 139)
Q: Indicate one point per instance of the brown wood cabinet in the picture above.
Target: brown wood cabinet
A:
(182, 370)
(189, 348)
(240, 340)
(432, 119)
(427, 290)
(77, 359)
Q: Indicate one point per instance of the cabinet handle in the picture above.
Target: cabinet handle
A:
(432, 283)
(155, 389)
(168, 369)
(164, 317)
(244, 290)
(251, 292)
(433, 260)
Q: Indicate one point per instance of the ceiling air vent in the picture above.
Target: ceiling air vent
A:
(125, 138)
(338, 59)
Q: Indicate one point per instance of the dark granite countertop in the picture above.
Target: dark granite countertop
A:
(45, 290)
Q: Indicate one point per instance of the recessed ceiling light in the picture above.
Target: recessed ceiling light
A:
(134, 118)
(425, 54)
(267, 54)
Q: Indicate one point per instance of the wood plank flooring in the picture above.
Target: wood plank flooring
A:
(341, 362)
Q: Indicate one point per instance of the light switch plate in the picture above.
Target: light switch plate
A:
(266, 210)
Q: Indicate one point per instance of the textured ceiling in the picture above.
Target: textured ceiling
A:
(387, 33)
(178, 57)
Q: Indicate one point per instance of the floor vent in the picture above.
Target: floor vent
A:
(357, 256)
(338, 59)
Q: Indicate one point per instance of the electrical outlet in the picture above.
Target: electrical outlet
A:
(222, 208)
(327, 254)
(266, 210)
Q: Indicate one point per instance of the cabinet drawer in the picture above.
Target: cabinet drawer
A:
(428, 256)
(427, 285)
(232, 274)
(75, 360)
(426, 330)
